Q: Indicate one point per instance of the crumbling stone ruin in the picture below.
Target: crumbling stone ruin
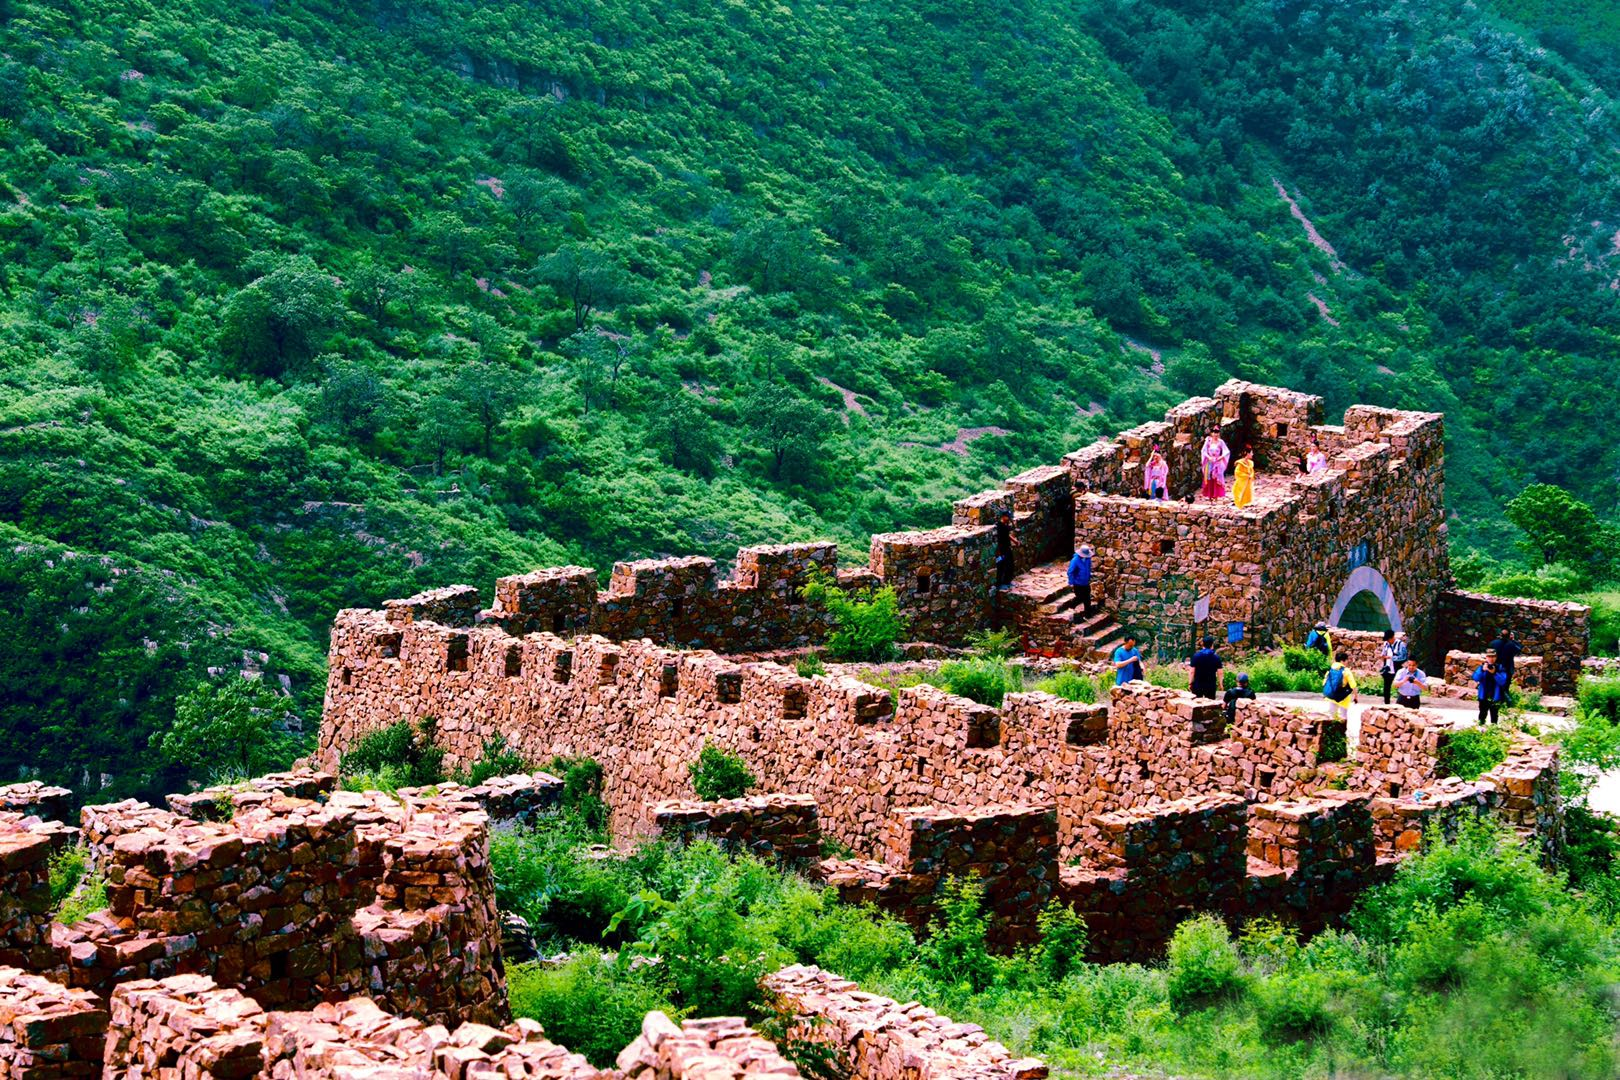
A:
(1137, 811)
(284, 929)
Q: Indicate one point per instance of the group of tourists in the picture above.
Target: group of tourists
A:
(1404, 682)
(1213, 459)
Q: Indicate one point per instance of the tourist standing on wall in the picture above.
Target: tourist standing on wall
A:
(1339, 687)
(1127, 662)
(1004, 549)
(1507, 651)
(1215, 457)
(1205, 667)
(1388, 662)
(1315, 461)
(1156, 476)
(1080, 577)
(1238, 693)
(1243, 479)
(1410, 682)
(1493, 684)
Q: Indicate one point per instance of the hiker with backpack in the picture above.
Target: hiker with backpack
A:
(1339, 687)
(1320, 639)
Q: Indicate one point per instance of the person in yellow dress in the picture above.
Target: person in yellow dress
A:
(1243, 479)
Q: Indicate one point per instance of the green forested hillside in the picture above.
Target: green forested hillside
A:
(303, 304)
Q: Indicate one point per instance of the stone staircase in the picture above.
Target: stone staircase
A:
(1044, 609)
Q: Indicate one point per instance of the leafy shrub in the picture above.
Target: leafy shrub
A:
(401, 755)
(74, 895)
(1293, 1006)
(1270, 675)
(854, 941)
(719, 774)
(983, 680)
(810, 665)
(229, 730)
(66, 871)
(589, 1004)
(1472, 752)
(711, 953)
(993, 644)
(549, 876)
(1063, 941)
(582, 790)
(954, 954)
(867, 624)
(497, 759)
(1600, 698)
(1071, 686)
(1299, 658)
(1204, 965)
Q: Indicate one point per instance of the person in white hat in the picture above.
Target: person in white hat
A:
(1080, 577)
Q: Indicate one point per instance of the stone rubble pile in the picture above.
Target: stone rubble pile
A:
(877, 1038)
(48, 1031)
(717, 1048)
(34, 799)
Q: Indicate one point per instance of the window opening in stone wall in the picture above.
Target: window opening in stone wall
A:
(457, 653)
(795, 703)
(388, 645)
(562, 668)
(514, 661)
(1282, 431)
(347, 676)
(728, 687)
(679, 607)
(924, 583)
(559, 622)
(1167, 547)
(608, 673)
(668, 680)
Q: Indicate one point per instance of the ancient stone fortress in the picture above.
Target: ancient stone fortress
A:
(1137, 811)
(283, 928)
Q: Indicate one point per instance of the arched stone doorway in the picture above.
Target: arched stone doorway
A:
(1367, 602)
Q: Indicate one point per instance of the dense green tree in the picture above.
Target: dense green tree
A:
(282, 317)
(230, 730)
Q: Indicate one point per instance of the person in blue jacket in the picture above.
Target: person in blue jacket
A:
(1493, 683)
(1080, 577)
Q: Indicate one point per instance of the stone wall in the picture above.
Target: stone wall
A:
(876, 1038)
(1528, 673)
(294, 901)
(716, 1048)
(34, 799)
(786, 828)
(25, 894)
(1558, 632)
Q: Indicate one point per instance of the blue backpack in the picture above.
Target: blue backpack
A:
(1333, 685)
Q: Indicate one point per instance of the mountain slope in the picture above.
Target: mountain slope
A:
(303, 305)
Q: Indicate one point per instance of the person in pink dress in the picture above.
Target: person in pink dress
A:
(1156, 476)
(1215, 457)
(1316, 461)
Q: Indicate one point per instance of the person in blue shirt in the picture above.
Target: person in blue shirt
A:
(1127, 662)
(1493, 682)
(1206, 666)
(1080, 577)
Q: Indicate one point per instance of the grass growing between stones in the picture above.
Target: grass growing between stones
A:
(1473, 962)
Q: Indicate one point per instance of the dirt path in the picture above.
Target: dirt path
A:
(964, 436)
(850, 401)
(1318, 241)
